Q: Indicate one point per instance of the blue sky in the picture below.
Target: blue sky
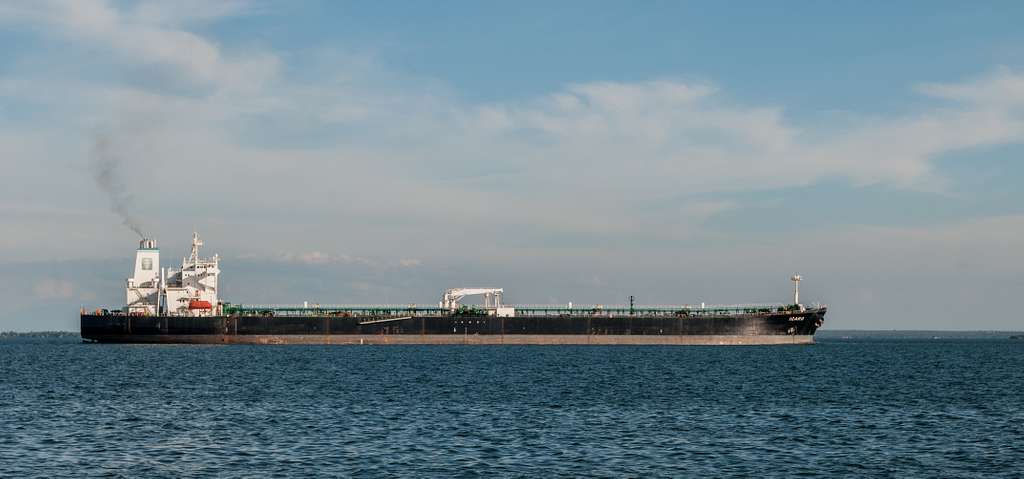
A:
(583, 151)
(800, 54)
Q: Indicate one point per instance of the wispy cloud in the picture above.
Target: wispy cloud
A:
(151, 33)
(53, 289)
(1001, 89)
(321, 258)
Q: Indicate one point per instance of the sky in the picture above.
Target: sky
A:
(381, 152)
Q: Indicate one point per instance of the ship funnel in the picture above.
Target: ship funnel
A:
(142, 289)
(796, 288)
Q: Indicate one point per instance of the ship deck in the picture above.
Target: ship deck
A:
(413, 310)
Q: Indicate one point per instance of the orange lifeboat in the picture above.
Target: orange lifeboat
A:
(199, 304)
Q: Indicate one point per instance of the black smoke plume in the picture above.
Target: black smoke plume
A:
(106, 170)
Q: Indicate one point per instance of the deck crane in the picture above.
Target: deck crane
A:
(492, 297)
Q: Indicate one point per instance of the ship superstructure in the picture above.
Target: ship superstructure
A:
(188, 291)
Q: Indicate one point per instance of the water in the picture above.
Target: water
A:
(866, 406)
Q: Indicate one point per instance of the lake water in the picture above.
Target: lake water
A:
(862, 405)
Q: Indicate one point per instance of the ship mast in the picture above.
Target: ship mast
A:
(196, 243)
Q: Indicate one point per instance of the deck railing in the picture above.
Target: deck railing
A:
(530, 310)
(395, 310)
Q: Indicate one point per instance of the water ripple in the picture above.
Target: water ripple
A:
(839, 408)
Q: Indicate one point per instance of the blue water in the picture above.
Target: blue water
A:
(872, 406)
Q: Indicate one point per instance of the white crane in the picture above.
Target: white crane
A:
(450, 299)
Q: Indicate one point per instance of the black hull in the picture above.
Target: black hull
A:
(755, 328)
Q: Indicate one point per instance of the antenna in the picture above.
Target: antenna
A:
(796, 288)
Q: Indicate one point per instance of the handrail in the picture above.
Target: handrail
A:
(393, 310)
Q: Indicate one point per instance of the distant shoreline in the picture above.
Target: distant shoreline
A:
(830, 334)
(39, 334)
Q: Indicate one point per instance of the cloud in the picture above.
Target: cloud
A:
(388, 163)
(153, 34)
(1000, 89)
(188, 12)
(48, 289)
(673, 135)
(320, 258)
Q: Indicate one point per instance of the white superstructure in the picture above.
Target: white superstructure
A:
(189, 291)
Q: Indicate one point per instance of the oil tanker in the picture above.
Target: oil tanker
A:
(172, 305)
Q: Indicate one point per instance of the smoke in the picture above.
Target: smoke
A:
(106, 170)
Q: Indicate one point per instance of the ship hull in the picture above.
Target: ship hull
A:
(796, 327)
(553, 339)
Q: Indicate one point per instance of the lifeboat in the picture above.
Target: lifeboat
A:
(199, 304)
